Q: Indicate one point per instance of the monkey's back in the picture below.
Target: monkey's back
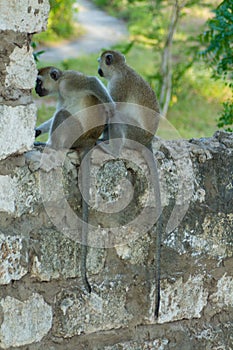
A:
(137, 103)
(128, 86)
(83, 106)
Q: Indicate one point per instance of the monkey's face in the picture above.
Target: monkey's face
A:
(109, 63)
(47, 81)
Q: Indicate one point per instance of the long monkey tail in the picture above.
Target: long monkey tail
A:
(158, 265)
(159, 226)
(85, 181)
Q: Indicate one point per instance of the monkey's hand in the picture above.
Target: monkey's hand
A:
(44, 127)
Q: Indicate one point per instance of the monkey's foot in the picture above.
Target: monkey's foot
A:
(40, 144)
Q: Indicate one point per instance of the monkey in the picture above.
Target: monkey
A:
(76, 92)
(135, 99)
(125, 85)
(75, 125)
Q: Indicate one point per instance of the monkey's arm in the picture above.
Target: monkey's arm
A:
(44, 127)
(97, 88)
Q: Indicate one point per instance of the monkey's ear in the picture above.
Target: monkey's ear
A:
(108, 59)
(55, 74)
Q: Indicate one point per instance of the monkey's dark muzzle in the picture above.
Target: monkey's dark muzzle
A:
(100, 72)
(39, 89)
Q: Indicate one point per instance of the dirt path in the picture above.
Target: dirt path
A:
(101, 31)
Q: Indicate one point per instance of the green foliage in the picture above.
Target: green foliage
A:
(118, 8)
(38, 53)
(219, 55)
(61, 17)
(60, 22)
(219, 38)
(149, 25)
(227, 116)
(196, 110)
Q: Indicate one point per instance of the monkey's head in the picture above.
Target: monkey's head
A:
(110, 62)
(47, 81)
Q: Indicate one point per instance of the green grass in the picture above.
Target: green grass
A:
(193, 116)
(198, 105)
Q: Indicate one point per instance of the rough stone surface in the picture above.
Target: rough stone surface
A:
(183, 300)
(17, 69)
(24, 322)
(17, 76)
(40, 250)
(18, 19)
(223, 297)
(104, 309)
(25, 16)
(14, 258)
(157, 344)
(17, 126)
(7, 194)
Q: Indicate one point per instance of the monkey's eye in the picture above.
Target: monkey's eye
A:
(54, 74)
(108, 59)
(38, 82)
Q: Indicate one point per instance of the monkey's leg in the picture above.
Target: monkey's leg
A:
(115, 135)
(85, 182)
(61, 130)
(151, 161)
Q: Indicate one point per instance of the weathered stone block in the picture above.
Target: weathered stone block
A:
(28, 16)
(223, 298)
(212, 237)
(24, 322)
(59, 257)
(17, 129)
(182, 300)
(136, 251)
(21, 71)
(19, 192)
(13, 258)
(78, 313)
(18, 70)
(157, 344)
(7, 194)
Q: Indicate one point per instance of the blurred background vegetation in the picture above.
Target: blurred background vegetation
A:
(61, 23)
(184, 48)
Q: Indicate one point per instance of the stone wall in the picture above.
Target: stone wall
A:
(43, 304)
(19, 19)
